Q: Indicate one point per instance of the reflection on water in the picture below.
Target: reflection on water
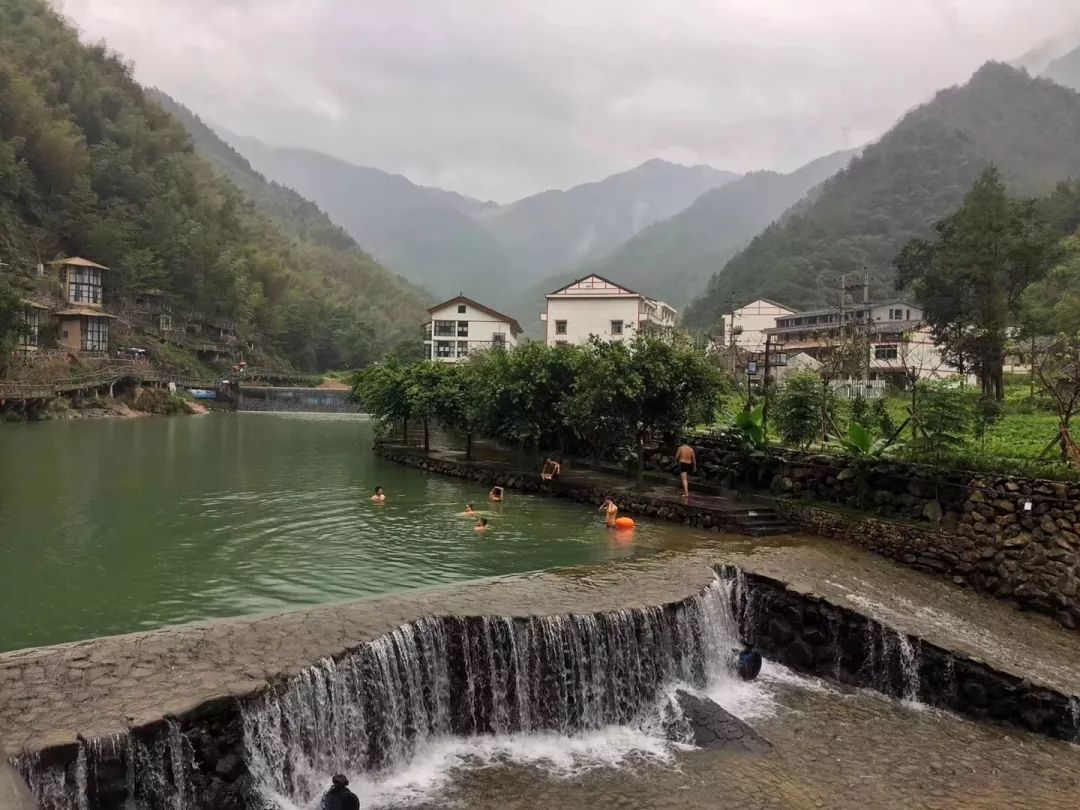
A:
(122, 525)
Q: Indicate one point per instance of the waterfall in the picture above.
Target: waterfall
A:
(155, 775)
(553, 679)
(372, 710)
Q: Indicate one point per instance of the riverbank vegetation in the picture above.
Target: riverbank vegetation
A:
(91, 165)
(602, 399)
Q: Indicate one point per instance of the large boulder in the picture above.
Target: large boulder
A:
(709, 725)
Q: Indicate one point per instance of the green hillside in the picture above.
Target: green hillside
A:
(916, 174)
(91, 165)
(673, 259)
(424, 234)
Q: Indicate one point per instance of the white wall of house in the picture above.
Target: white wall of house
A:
(591, 316)
(754, 319)
(471, 329)
(916, 355)
(595, 306)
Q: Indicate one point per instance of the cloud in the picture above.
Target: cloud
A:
(508, 98)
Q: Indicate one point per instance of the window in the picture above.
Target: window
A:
(463, 348)
(498, 340)
(444, 348)
(561, 344)
(885, 352)
(460, 309)
(907, 314)
(616, 327)
(896, 314)
(560, 327)
(30, 328)
(84, 285)
(95, 334)
(462, 328)
(444, 328)
(166, 323)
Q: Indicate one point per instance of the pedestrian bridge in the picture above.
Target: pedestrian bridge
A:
(296, 400)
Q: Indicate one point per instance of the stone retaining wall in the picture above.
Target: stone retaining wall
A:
(812, 635)
(1037, 569)
(633, 503)
(1014, 538)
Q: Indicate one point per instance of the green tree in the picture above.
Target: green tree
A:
(630, 392)
(803, 408)
(382, 390)
(972, 276)
(11, 321)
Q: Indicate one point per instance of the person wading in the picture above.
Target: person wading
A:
(339, 797)
(687, 461)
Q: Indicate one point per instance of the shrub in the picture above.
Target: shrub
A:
(801, 406)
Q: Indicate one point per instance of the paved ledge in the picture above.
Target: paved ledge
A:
(50, 696)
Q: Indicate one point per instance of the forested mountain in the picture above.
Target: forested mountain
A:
(673, 259)
(89, 165)
(1065, 70)
(916, 174)
(558, 231)
(427, 235)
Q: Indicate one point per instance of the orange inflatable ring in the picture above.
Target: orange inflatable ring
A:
(624, 523)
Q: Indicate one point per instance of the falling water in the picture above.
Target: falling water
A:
(371, 711)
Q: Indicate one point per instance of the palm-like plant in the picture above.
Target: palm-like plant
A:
(861, 445)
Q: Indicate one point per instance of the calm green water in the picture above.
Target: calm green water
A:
(118, 525)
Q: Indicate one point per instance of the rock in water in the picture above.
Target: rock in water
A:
(712, 726)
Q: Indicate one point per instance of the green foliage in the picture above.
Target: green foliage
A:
(881, 417)
(750, 429)
(860, 444)
(89, 165)
(971, 278)
(599, 397)
(916, 174)
(859, 409)
(11, 317)
(943, 417)
(987, 413)
(801, 406)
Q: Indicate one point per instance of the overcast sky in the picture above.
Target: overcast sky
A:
(504, 98)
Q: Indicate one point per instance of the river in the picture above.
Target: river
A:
(113, 526)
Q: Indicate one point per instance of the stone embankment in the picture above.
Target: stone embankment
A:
(663, 503)
(1010, 537)
(813, 635)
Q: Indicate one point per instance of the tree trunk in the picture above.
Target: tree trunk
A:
(427, 437)
(468, 447)
(640, 460)
(405, 430)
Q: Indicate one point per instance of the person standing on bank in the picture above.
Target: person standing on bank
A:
(687, 461)
(339, 797)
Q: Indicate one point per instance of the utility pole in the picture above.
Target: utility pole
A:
(765, 389)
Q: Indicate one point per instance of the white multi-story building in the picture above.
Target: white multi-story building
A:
(749, 323)
(460, 326)
(595, 306)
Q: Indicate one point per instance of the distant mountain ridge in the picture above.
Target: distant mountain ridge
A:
(1065, 70)
(557, 231)
(913, 176)
(674, 258)
(421, 233)
(449, 242)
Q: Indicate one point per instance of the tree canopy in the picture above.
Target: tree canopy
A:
(971, 277)
(89, 165)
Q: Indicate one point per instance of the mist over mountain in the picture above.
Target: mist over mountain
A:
(557, 231)
(422, 233)
(915, 175)
(1065, 70)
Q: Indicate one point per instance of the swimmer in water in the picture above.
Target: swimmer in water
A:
(611, 511)
(379, 495)
(481, 525)
(550, 470)
(496, 494)
(469, 511)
